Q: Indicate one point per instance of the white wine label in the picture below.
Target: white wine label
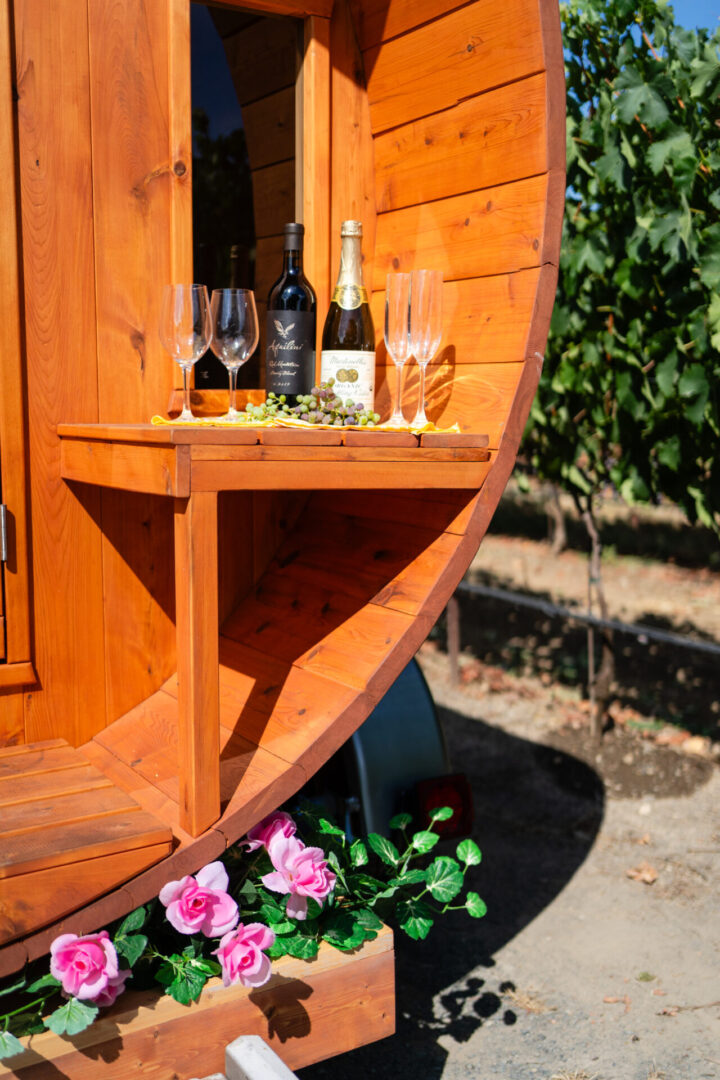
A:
(353, 372)
(349, 297)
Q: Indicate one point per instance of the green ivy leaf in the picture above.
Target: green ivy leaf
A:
(424, 841)
(669, 453)
(475, 906)
(384, 849)
(400, 821)
(441, 813)
(444, 878)
(358, 853)
(277, 949)
(327, 828)
(9, 1045)
(693, 381)
(72, 1017)
(416, 876)
(187, 985)
(469, 853)
(368, 920)
(415, 918)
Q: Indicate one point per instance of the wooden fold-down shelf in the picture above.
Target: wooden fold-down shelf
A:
(179, 460)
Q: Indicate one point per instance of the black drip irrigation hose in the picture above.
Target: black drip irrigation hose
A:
(644, 634)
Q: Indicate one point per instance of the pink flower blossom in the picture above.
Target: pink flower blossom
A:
(201, 904)
(241, 956)
(261, 835)
(115, 986)
(301, 871)
(84, 965)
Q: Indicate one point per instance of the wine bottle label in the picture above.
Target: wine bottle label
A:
(290, 352)
(349, 297)
(354, 374)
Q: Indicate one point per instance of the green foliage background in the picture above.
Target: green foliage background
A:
(629, 394)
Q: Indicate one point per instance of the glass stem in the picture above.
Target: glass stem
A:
(398, 410)
(421, 417)
(233, 390)
(186, 391)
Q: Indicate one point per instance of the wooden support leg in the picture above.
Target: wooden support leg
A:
(196, 593)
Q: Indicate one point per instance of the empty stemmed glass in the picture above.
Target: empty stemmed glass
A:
(185, 330)
(425, 326)
(397, 332)
(235, 335)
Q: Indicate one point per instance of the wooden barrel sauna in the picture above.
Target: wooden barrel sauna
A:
(194, 619)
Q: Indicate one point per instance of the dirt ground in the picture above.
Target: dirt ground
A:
(599, 958)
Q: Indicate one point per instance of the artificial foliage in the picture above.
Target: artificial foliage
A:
(270, 895)
(628, 399)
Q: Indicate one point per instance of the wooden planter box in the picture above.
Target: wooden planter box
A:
(308, 1011)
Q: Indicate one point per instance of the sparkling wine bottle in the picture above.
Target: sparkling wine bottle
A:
(290, 340)
(348, 341)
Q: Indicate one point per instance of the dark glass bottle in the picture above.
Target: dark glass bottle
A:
(290, 341)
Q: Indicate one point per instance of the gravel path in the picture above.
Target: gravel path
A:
(578, 971)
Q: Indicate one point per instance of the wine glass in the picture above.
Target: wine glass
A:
(185, 330)
(425, 326)
(235, 334)
(397, 332)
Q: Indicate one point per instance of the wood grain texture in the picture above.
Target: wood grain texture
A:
(273, 199)
(352, 160)
(14, 573)
(261, 58)
(306, 1012)
(475, 48)
(270, 128)
(196, 597)
(494, 231)
(53, 81)
(484, 141)
(151, 470)
(380, 20)
(312, 191)
(12, 719)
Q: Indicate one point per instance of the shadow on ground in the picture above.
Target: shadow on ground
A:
(537, 812)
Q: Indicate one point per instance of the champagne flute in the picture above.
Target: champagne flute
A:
(425, 326)
(397, 332)
(185, 330)
(235, 335)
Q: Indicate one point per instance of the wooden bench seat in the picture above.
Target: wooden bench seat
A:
(67, 835)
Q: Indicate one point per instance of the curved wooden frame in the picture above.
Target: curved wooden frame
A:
(416, 545)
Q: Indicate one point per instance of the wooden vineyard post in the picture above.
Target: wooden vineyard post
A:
(196, 620)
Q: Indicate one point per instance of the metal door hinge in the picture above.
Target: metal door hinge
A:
(3, 533)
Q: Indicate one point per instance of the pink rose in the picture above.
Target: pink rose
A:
(299, 870)
(115, 986)
(241, 956)
(84, 965)
(261, 835)
(201, 904)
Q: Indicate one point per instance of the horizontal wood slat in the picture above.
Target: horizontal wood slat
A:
(475, 48)
(380, 20)
(153, 470)
(273, 201)
(262, 58)
(270, 128)
(494, 231)
(488, 140)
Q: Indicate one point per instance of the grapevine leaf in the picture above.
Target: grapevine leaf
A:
(444, 878)
(72, 1017)
(9, 1045)
(469, 853)
(384, 849)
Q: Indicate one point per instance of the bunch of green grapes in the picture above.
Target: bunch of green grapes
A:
(321, 406)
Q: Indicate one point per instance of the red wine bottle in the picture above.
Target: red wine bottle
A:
(290, 341)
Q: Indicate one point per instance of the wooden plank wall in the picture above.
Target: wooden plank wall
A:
(464, 172)
(105, 172)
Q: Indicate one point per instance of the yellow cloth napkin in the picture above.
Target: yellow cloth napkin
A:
(276, 421)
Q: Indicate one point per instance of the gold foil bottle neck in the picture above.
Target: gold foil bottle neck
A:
(351, 228)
